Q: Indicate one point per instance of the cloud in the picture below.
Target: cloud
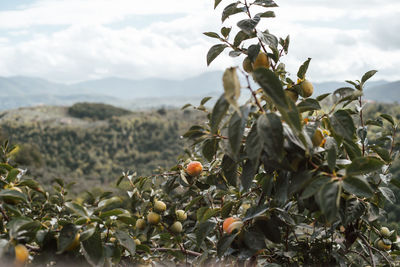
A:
(74, 40)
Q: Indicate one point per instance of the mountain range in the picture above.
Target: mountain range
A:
(19, 91)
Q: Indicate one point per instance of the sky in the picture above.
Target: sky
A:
(75, 40)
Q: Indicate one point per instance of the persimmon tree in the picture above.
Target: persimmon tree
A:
(279, 180)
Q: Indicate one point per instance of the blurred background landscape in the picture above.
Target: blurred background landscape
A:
(89, 89)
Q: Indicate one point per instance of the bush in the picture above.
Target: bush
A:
(282, 182)
(96, 111)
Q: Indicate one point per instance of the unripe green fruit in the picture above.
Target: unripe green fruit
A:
(140, 224)
(181, 215)
(176, 227)
(247, 66)
(292, 94)
(385, 232)
(307, 89)
(153, 218)
(160, 206)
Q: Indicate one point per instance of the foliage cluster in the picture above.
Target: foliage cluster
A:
(96, 111)
(283, 182)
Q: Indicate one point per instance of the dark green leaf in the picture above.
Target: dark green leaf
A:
(12, 196)
(93, 249)
(225, 31)
(12, 175)
(331, 158)
(253, 52)
(322, 97)
(76, 208)
(382, 152)
(205, 100)
(388, 194)
(329, 199)
(308, 104)
(354, 210)
(271, 85)
(352, 149)
(248, 173)
(229, 168)
(269, 39)
(126, 241)
(364, 165)
(270, 130)
(254, 240)
(255, 211)
(269, 227)
(224, 243)
(357, 186)
(202, 230)
(303, 69)
(388, 118)
(268, 14)
(343, 124)
(265, 3)
(216, 3)
(314, 186)
(226, 209)
(210, 147)
(87, 234)
(248, 25)
(368, 75)
(218, 112)
(214, 52)
(212, 35)
(67, 237)
(241, 36)
(237, 123)
(254, 144)
(231, 10)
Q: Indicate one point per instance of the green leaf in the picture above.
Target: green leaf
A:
(237, 124)
(352, 149)
(265, 3)
(354, 210)
(303, 69)
(388, 118)
(231, 10)
(216, 3)
(270, 130)
(85, 235)
(109, 203)
(331, 158)
(225, 31)
(12, 196)
(364, 165)
(269, 227)
(241, 36)
(229, 168)
(226, 209)
(214, 52)
(308, 104)
(271, 85)
(67, 237)
(343, 124)
(205, 100)
(382, 152)
(322, 97)
(357, 186)
(255, 211)
(248, 173)
(254, 240)
(388, 194)
(203, 230)
(12, 175)
(267, 14)
(253, 52)
(368, 75)
(209, 213)
(76, 208)
(314, 186)
(212, 35)
(224, 243)
(248, 25)
(231, 87)
(93, 249)
(113, 212)
(126, 241)
(270, 39)
(218, 112)
(254, 144)
(329, 200)
(210, 147)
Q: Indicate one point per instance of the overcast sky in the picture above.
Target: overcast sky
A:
(75, 40)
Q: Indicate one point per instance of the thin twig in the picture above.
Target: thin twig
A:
(188, 252)
(371, 256)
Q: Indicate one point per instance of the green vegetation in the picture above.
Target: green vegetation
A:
(96, 111)
(271, 182)
(91, 151)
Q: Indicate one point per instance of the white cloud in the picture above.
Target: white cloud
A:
(343, 37)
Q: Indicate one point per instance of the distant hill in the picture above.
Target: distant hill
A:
(389, 92)
(22, 91)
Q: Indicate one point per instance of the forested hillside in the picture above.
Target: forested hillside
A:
(93, 143)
